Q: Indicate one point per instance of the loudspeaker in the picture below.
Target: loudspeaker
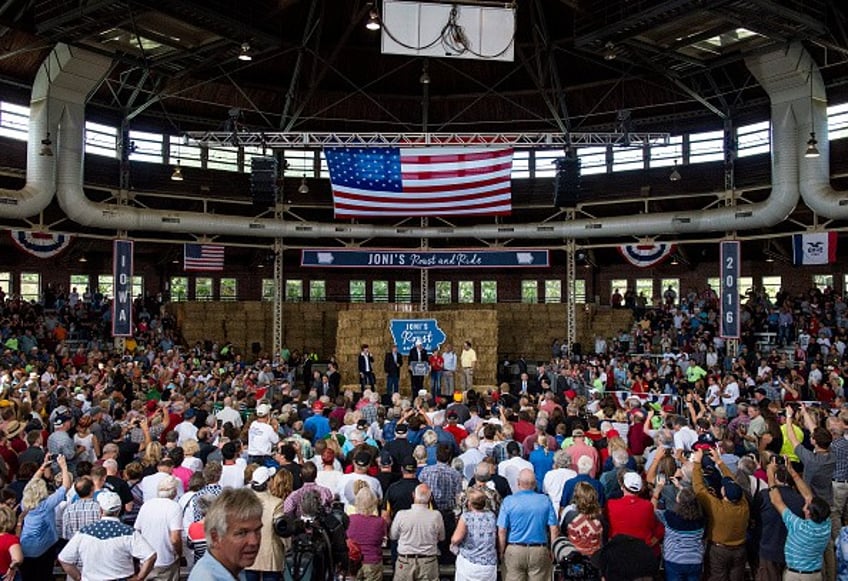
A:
(567, 190)
(264, 175)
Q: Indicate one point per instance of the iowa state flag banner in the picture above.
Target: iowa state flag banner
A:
(430, 181)
(814, 248)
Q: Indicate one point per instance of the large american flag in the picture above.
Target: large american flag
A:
(203, 257)
(431, 181)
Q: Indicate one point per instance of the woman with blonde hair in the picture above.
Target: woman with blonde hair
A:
(583, 521)
(190, 449)
(38, 532)
(367, 529)
(150, 458)
(11, 555)
(272, 487)
(85, 439)
(474, 540)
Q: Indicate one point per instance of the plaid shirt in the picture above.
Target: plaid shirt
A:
(444, 482)
(839, 449)
(77, 515)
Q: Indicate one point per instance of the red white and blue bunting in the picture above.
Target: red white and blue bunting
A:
(646, 255)
(40, 244)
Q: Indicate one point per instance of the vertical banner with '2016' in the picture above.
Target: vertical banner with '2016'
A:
(122, 270)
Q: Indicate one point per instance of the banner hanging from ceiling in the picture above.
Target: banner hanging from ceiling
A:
(339, 258)
(40, 244)
(646, 255)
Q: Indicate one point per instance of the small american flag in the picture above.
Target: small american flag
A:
(203, 257)
(432, 181)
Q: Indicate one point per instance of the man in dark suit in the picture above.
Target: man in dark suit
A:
(525, 386)
(391, 365)
(417, 355)
(335, 380)
(366, 368)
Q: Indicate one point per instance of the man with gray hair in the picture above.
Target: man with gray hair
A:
(233, 535)
(160, 522)
(471, 456)
(418, 532)
(555, 479)
(106, 548)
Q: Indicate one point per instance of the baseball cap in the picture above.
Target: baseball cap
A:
(402, 429)
(633, 482)
(189, 413)
(262, 410)
(386, 459)
(362, 459)
(317, 407)
(457, 396)
(408, 464)
(732, 491)
(452, 415)
(570, 394)
(577, 433)
(262, 474)
(362, 424)
(613, 434)
(60, 419)
(109, 501)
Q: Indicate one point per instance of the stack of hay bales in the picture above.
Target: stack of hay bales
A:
(242, 323)
(365, 324)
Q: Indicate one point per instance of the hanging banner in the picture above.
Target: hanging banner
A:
(729, 292)
(336, 258)
(40, 244)
(646, 255)
(122, 270)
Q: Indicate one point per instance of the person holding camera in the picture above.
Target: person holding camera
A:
(772, 533)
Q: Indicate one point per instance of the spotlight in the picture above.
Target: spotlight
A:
(304, 187)
(424, 79)
(177, 174)
(769, 258)
(674, 260)
(46, 147)
(373, 20)
(82, 259)
(609, 51)
(244, 55)
(812, 150)
(675, 175)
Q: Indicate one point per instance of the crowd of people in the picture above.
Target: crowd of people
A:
(659, 450)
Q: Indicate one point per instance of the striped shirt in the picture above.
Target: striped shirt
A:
(839, 449)
(805, 542)
(683, 543)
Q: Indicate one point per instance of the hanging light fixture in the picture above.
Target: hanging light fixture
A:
(304, 187)
(675, 176)
(674, 260)
(177, 174)
(82, 258)
(424, 79)
(609, 51)
(46, 146)
(812, 150)
(244, 55)
(373, 20)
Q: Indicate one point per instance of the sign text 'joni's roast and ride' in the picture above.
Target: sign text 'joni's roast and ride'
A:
(341, 258)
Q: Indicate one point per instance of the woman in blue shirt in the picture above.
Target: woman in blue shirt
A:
(39, 534)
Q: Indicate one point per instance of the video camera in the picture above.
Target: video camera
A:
(319, 541)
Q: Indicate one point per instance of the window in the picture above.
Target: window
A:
(138, 286)
(553, 291)
(179, 288)
(6, 282)
(251, 152)
(489, 291)
(317, 291)
(645, 288)
(106, 285)
(224, 158)
(619, 284)
(14, 121)
(520, 164)
(101, 140)
(80, 282)
(753, 139)
(579, 289)
(704, 147)
(357, 291)
(403, 291)
(715, 284)
(148, 146)
(837, 121)
(820, 281)
(666, 155)
(545, 162)
(268, 287)
(443, 292)
(324, 171)
(529, 291)
(628, 158)
(30, 287)
(299, 163)
(228, 289)
(746, 286)
(466, 291)
(294, 291)
(771, 286)
(203, 289)
(187, 155)
(380, 291)
(674, 283)
(593, 160)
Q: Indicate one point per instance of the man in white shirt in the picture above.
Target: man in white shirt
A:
(228, 414)
(262, 436)
(729, 396)
(684, 436)
(186, 430)
(361, 462)
(511, 468)
(149, 485)
(471, 457)
(232, 469)
(160, 522)
(449, 369)
(555, 479)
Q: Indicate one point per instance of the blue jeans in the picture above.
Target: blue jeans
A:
(392, 384)
(263, 576)
(436, 383)
(680, 572)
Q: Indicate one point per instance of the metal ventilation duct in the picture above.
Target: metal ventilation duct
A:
(778, 74)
